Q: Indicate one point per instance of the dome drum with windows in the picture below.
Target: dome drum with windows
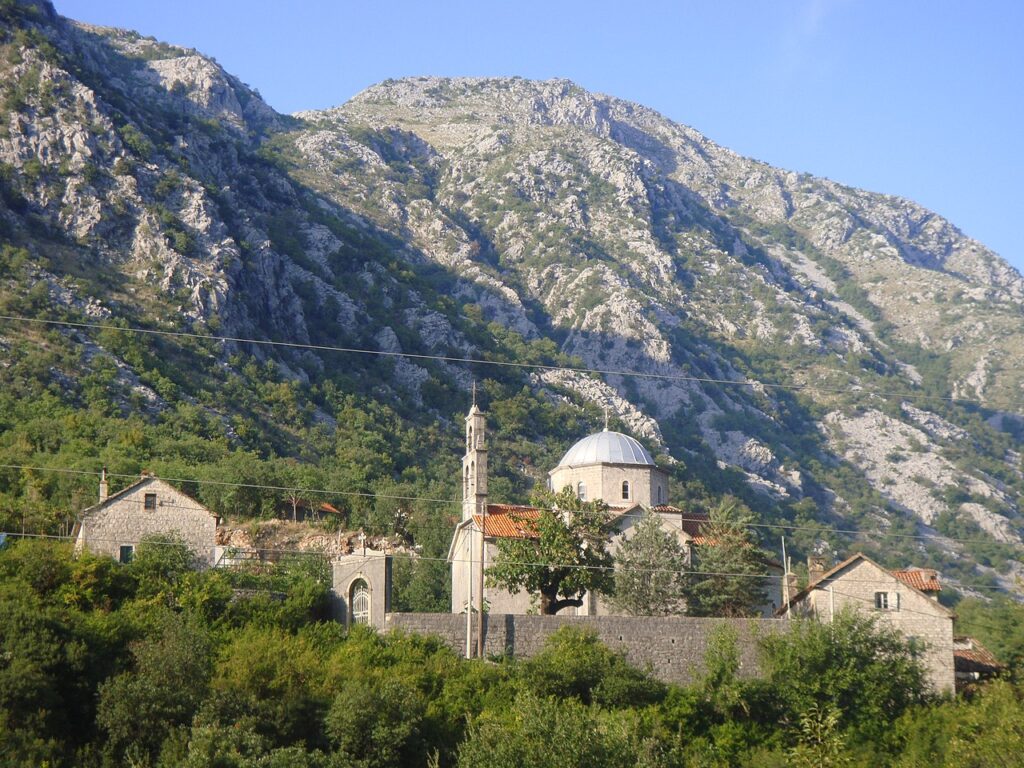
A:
(614, 467)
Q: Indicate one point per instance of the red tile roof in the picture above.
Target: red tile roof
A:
(924, 579)
(971, 656)
(509, 521)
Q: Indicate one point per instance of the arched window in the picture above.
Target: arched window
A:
(659, 494)
(359, 600)
(625, 490)
(469, 440)
(581, 491)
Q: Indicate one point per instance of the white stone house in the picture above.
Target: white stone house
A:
(117, 524)
(906, 600)
(606, 466)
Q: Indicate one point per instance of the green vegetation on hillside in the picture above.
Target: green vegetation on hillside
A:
(155, 664)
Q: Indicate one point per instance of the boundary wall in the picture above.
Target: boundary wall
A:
(671, 648)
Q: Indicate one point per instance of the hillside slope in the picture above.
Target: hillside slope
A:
(800, 341)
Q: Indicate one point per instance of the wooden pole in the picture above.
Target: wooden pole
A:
(480, 583)
(785, 577)
(469, 597)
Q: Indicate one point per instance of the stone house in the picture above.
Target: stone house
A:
(607, 466)
(906, 600)
(117, 524)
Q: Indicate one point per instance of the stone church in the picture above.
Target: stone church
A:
(607, 466)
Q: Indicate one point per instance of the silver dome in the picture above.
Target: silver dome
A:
(607, 448)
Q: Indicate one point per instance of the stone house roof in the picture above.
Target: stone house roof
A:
(911, 577)
(146, 479)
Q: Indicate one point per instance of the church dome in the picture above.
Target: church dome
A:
(607, 448)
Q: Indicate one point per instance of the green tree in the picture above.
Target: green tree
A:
(986, 730)
(566, 558)
(728, 575)
(650, 578)
(574, 663)
(160, 563)
(821, 744)
(376, 723)
(542, 732)
(163, 690)
(864, 671)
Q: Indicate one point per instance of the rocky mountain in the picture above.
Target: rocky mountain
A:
(837, 358)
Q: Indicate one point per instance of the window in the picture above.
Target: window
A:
(625, 490)
(360, 601)
(581, 491)
(126, 553)
(659, 494)
(150, 501)
(885, 602)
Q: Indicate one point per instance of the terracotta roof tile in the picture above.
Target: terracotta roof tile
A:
(923, 579)
(509, 521)
(970, 656)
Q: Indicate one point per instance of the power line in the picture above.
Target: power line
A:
(499, 363)
(609, 513)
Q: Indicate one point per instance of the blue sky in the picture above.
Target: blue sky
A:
(920, 99)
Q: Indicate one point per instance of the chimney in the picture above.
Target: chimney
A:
(104, 488)
(815, 568)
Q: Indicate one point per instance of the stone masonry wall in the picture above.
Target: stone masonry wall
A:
(673, 648)
(916, 617)
(124, 520)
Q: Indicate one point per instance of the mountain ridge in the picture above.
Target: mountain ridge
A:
(513, 220)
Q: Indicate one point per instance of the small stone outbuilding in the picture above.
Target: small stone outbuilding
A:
(149, 506)
(361, 586)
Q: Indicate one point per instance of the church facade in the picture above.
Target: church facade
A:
(608, 466)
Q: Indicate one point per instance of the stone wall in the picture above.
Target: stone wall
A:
(672, 648)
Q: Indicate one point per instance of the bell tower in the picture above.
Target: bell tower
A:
(474, 463)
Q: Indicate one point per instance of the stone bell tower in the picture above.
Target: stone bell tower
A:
(474, 463)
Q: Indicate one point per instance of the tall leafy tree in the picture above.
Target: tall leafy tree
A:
(650, 578)
(566, 557)
(864, 671)
(727, 576)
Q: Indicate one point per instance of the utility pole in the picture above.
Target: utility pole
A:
(469, 597)
(480, 583)
(785, 577)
